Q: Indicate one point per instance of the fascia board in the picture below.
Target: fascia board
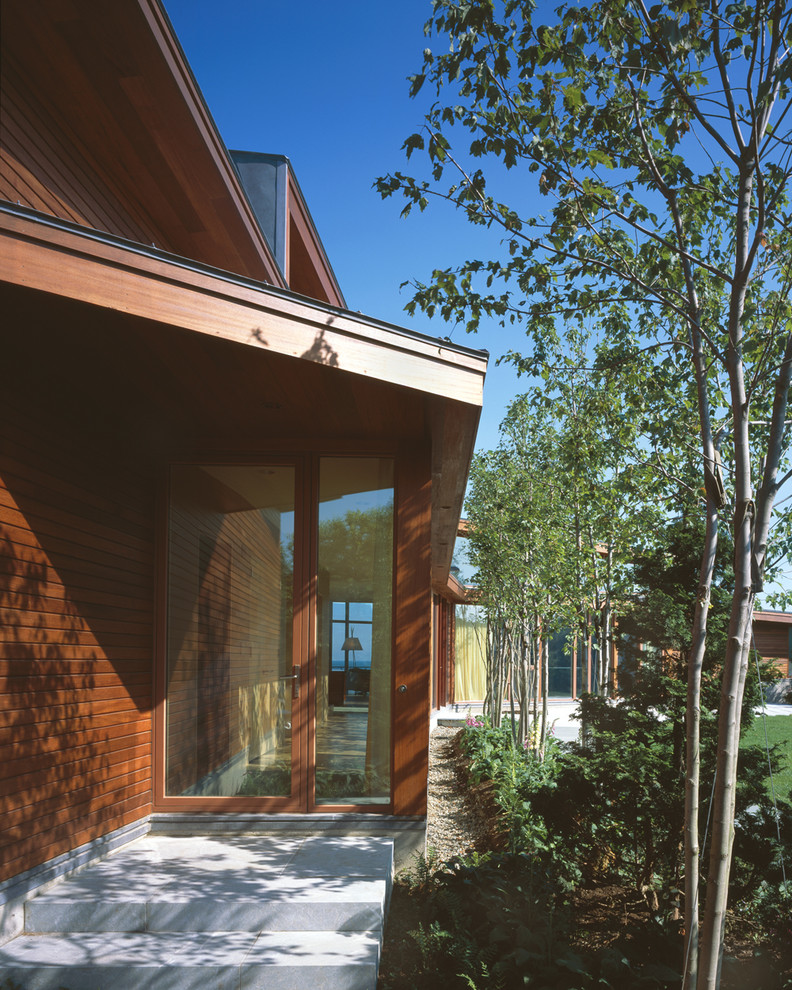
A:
(53, 256)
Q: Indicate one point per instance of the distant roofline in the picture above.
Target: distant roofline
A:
(772, 615)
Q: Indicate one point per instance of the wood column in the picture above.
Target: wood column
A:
(413, 632)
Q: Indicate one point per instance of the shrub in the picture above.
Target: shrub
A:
(502, 920)
(771, 907)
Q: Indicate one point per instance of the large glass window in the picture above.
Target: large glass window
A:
(581, 655)
(230, 619)
(354, 608)
(238, 723)
(559, 651)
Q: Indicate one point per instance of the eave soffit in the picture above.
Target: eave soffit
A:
(66, 259)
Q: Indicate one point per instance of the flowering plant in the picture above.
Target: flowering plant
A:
(531, 741)
(472, 722)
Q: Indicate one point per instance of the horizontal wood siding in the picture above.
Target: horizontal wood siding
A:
(41, 168)
(76, 630)
(773, 643)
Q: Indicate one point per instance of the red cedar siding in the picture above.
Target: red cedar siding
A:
(444, 652)
(76, 635)
(40, 168)
(772, 643)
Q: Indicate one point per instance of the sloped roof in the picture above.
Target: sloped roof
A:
(104, 125)
(109, 147)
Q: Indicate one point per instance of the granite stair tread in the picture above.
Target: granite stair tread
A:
(192, 960)
(176, 913)
(290, 904)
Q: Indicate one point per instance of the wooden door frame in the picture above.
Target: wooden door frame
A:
(410, 633)
(296, 801)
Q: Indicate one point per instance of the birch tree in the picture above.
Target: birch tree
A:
(517, 547)
(556, 515)
(658, 141)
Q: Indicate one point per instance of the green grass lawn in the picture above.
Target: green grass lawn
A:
(779, 730)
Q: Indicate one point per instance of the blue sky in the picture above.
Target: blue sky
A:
(325, 84)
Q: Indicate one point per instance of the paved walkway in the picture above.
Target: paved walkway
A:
(560, 711)
(213, 913)
(776, 710)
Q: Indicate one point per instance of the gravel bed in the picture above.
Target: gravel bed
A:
(458, 819)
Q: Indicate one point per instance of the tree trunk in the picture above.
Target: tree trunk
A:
(715, 500)
(509, 638)
(751, 523)
(736, 662)
(537, 680)
(692, 759)
(726, 779)
(584, 734)
(525, 682)
(502, 675)
(606, 650)
(546, 687)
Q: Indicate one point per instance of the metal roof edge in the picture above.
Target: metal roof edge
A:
(188, 264)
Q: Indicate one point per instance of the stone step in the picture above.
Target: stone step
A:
(243, 911)
(92, 903)
(192, 961)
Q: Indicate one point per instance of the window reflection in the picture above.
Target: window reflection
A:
(355, 564)
(230, 581)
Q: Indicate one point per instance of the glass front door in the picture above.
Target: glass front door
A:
(354, 609)
(259, 706)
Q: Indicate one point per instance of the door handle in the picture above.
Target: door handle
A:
(295, 677)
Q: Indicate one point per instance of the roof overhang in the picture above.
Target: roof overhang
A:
(781, 618)
(51, 256)
(54, 256)
(457, 592)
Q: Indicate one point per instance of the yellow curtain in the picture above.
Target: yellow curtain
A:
(471, 665)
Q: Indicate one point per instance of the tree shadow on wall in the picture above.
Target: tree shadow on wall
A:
(76, 675)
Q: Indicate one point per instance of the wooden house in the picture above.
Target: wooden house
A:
(221, 492)
(772, 640)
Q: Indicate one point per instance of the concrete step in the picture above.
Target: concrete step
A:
(92, 903)
(193, 961)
